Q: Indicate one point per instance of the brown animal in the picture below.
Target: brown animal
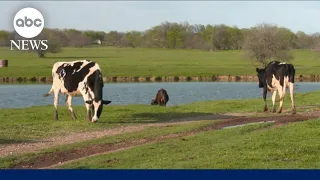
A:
(161, 99)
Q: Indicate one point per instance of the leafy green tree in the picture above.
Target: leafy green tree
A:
(175, 36)
(134, 38)
(207, 35)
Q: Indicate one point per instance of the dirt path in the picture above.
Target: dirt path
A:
(17, 148)
(54, 159)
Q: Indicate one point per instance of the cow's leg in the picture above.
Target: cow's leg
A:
(291, 85)
(55, 103)
(281, 96)
(68, 103)
(89, 117)
(274, 95)
(265, 99)
(88, 106)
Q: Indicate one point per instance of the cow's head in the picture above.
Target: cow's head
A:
(154, 102)
(97, 106)
(261, 76)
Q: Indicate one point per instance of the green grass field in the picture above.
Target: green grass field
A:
(23, 124)
(151, 132)
(148, 62)
(37, 122)
(291, 146)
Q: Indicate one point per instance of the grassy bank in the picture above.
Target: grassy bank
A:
(151, 132)
(128, 62)
(251, 146)
(292, 146)
(25, 124)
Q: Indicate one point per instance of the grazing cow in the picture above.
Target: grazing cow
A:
(161, 99)
(275, 77)
(76, 78)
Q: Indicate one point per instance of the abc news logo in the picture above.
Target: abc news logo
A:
(28, 23)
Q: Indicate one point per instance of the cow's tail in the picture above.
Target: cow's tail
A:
(47, 94)
(291, 72)
(54, 69)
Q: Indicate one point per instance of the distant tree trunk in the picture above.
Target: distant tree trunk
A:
(264, 64)
(41, 53)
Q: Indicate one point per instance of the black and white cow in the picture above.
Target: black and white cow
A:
(277, 76)
(76, 78)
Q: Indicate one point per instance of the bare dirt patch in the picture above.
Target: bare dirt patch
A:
(59, 158)
(36, 146)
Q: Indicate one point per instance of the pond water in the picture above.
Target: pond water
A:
(19, 96)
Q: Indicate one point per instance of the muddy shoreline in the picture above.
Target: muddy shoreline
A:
(127, 79)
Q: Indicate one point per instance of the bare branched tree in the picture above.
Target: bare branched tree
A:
(264, 43)
(5, 38)
(316, 46)
(54, 37)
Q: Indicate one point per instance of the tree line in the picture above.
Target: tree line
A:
(268, 40)
(166, 35)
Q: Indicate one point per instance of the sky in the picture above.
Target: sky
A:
(141, 15)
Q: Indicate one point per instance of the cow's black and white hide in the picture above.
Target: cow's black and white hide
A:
(277, 77)
(76, 78)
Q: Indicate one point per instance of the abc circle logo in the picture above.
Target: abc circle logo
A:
(28, 22)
